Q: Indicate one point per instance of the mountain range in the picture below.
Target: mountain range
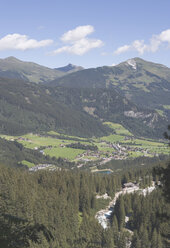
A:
(12, 67)
(75, 100)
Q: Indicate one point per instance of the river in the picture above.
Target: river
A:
(103, 216)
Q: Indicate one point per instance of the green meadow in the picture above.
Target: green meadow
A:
(63, 152)
(27, 163)
(119, 129)
(54, 144)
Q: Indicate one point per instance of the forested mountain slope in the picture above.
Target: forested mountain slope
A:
(109, 105)
(134, 93)
(57, 209)
(12, 154)
(145, 83)
(26, 107)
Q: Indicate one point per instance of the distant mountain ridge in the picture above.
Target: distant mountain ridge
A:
(70, 68)
(134, 93)
(145, 83)
(12, 67)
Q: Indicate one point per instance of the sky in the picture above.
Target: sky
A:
(89, 33)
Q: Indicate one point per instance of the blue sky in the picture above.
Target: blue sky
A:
(89, 33)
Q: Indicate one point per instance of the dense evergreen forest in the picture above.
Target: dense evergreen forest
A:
(13, 153)
(56, 210)
(148, 219)
(26, 107)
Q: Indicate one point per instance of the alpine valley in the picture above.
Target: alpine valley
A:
(134, 94)
(77, 152)
(78, 109)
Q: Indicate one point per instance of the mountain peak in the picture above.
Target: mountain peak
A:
(70, 67)
(132, 63)
(12, 59)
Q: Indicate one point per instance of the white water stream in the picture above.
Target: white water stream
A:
(103, 215)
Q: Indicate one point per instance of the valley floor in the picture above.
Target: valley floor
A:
(120, 145)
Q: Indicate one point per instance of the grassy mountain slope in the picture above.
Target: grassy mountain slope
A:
(134, 93)
(28, 71)
(109, 105)
(26, 107)
(144, 83)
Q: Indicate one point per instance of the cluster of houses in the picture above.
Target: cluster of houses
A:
(23, 139)
(119, 152)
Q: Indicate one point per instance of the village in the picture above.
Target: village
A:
(120, 152)
(88, 151)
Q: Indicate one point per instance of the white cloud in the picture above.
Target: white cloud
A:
(155, 42)
(77, 41)
(141, 47)
(78, 33)
(80, 47)
(165, 36)
(123, 49)
(21, 42)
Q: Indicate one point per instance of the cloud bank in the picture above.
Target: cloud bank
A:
(139, 45)
(21, 42)
(77, 41)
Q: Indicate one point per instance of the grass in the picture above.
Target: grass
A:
(41, 141)
(51, 145)
(160, 112)
(113, 138)
(64, 152)
(141, 86)
(148, 143)
(133, 154)
(7, 137)
(65, 136)
(106, 149)
(119, 129)
(166, 107)
(28, 164)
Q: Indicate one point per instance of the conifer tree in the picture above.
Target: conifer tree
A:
(154, 239)
(120, 212)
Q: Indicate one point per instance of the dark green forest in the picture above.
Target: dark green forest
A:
(56, 210)
(13, 153)
(27, 107)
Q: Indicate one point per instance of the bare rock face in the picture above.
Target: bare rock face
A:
(150, 119)
(137, 115)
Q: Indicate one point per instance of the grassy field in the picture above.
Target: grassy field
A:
(41, 140)
(113, 138)
(54, 144)
(27, 163)
(166, 107)
(119, 129)
(64, 152)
